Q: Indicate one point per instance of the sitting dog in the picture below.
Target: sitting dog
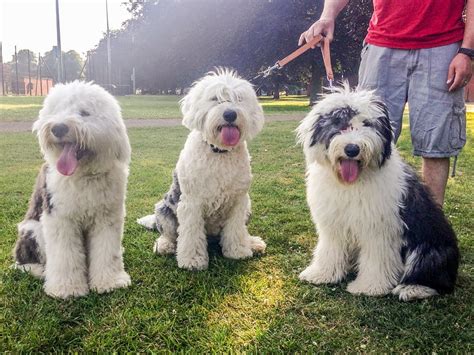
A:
(71, 235)
(209, 192)
(369, 206)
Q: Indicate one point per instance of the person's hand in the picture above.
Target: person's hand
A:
(323, 27)
(460, 72)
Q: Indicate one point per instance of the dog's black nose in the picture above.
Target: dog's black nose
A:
(230, 115)
(59, 130)
(352, 150)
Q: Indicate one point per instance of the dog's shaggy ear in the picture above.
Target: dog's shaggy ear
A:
(193, 113)
(384, 128)
(36, 125)
(187, 109)
(123, 151)
(304, 130)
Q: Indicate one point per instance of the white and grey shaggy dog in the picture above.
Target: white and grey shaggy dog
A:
(209, 193)
(369, 207)
(71, 235)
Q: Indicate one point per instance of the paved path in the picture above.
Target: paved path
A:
(24, 126)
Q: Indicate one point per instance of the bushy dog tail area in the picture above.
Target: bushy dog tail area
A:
(149, 222)
(413, 292)
(429, 270)
(28, 252)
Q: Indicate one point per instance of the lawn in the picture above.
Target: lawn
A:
(255, 305)
(25, 108)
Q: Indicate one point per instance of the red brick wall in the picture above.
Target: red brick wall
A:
(36, 86)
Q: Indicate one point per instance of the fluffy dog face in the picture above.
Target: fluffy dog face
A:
(80, 127)
(348, 131)
(224, 108)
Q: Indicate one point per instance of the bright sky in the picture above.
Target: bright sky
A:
(31, 24)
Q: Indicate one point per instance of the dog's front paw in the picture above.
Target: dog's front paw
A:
(164, 246)
(362, 287)
(35, 269)
(257, 245)
(196, 262)
(237, 252)
(65, 289)
(413, 292)
(317, 276)
(107, 284)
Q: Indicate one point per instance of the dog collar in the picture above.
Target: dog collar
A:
(217, 150)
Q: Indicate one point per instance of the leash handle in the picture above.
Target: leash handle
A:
(325, 50)
(300, 51)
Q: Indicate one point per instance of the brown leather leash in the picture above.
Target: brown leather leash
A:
(319, 40)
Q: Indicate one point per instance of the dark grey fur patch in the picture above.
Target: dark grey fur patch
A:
(384, 129)
(166, 208)
(430, 241)
(39, 197)
(48, 206)
(166, 211)
(174, 193)
(26, 249)
(329, 125)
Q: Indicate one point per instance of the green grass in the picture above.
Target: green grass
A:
(286, 104)
(24, 108)
(149, 106)
(255, 305)
(19, 108)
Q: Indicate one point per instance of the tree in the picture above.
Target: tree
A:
(171, 43)
(72, 63)
(22, 55)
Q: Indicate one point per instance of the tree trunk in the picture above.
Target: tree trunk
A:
(315, 87)
(276, 90)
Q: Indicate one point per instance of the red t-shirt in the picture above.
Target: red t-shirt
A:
(415, 24)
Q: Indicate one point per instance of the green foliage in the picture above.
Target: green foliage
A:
(171, 43)
(72, 63)
(22, 55)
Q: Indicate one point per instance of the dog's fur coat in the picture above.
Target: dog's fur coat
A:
(369, 207)
(209, 194)
(71, 235)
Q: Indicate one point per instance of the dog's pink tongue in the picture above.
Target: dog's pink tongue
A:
(230, 135)
(349, 170)
(67, 162)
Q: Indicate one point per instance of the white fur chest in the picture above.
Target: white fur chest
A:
(212, 178)
(362, 209)
(82, 197)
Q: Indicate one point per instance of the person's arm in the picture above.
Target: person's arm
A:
(460, 69)
(325, 25)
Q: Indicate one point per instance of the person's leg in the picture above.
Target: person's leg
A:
(437, 117)
(435, 175)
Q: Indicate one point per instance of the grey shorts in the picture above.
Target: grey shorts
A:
(437, 117)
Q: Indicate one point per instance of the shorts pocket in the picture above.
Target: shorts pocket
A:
(365, 49)
(457, 127)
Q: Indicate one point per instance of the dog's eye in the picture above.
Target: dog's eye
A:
(214, 98)
(367, 123)
(84, 113)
